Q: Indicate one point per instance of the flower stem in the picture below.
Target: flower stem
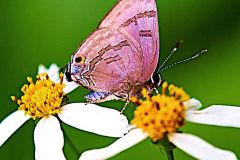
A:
(166, 148)
(169, 153)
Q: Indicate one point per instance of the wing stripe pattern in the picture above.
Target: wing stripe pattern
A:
(112, 59)
(98, 58)
(138, 16)
(145, 33)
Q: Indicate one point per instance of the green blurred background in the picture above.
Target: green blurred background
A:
(49, 31)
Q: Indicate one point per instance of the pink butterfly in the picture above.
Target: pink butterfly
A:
(120, 57)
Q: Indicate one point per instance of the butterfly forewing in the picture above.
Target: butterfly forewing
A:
(108, 55)
(137, 20)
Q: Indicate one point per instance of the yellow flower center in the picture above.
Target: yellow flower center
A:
(160, 114)
(42, 98)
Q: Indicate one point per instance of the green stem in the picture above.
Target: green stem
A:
(166, 148)
(167, 153)
(170, 154)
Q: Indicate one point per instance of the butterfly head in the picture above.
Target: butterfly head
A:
(156, 80)
(75, 68)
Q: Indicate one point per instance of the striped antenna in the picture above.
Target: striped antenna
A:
(201, 52)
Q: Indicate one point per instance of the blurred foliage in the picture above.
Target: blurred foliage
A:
(45, 32)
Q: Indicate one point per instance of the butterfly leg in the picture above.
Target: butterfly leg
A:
(97, 97)
(125, 106)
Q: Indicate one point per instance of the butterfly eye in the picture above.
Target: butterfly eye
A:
(79, 59)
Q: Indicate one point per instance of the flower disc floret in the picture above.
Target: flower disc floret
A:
(161, 114)
(41, 98)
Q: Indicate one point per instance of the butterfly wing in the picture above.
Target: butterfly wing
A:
(107, 55)
(137, 20)
(124, 50)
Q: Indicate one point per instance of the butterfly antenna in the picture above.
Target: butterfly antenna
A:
(185, 60)
(174, 50)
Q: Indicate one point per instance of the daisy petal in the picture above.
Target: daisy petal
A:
(199, 148)
(216, 115)
(132, 138)
(52, 72)
(192, 104)
(96, 119)
(42, 69)
(48, 139)
(11, 123)
(70, 86)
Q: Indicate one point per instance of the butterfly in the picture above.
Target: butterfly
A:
(118, 59)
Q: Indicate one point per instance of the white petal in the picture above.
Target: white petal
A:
(192, 104)
(48, 139)
(216, 115)
(52, 72)
(42, 69)
(10, 124)
(96, 119)
(132, 138)
(199, 148)
(70, 86)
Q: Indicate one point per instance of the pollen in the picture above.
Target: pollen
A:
(42, 98)
(161, 114)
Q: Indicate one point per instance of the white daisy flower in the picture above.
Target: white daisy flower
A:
(42, 100)
(162, 115)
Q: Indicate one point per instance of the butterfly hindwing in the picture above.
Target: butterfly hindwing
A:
(138, 20)
(108, 54)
